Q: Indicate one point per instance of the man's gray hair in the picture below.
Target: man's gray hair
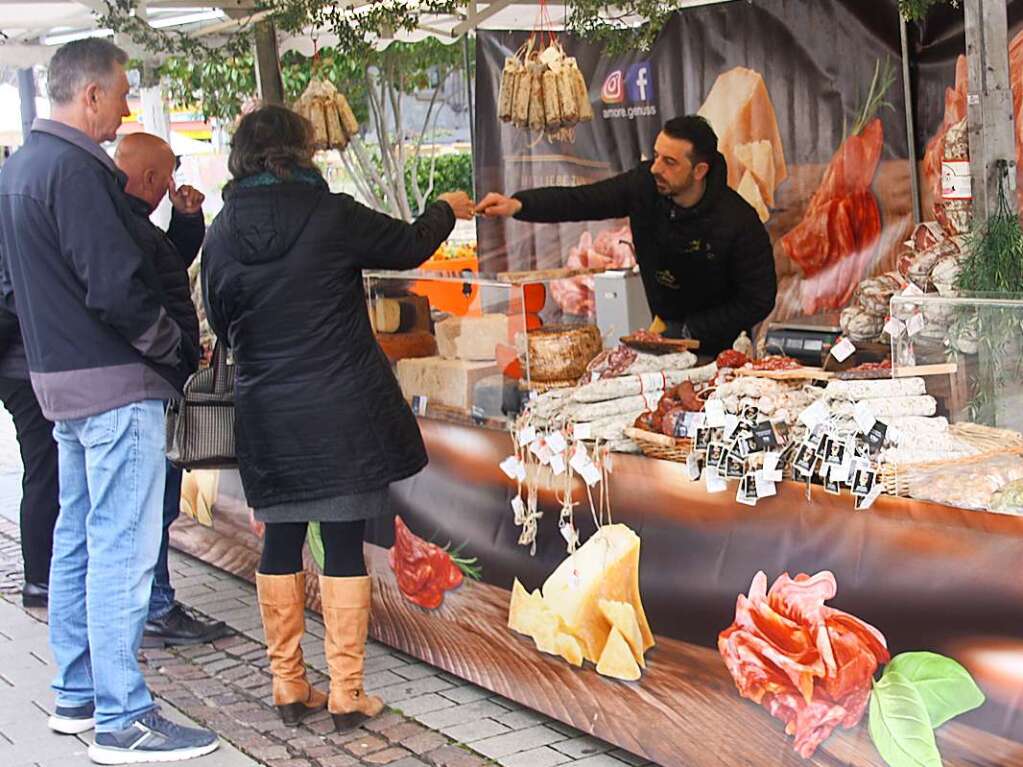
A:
(78, 63)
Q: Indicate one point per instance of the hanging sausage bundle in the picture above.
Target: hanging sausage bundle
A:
(334, 123)
(544, 91)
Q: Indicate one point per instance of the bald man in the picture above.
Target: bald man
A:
(149, 164)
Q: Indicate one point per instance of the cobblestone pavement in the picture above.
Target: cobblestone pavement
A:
(433, 718)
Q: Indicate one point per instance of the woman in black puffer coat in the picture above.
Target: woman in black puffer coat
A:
(322, 427)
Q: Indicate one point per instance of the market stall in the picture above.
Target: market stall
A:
(609, 519)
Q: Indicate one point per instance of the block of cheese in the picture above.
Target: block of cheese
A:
(398, 346)
(750, 192)
(739, 109)
(758, 158)
(570, 649)
(605, 567)
(386, 315)
(443, 381)
(616, 660)
(472, 338)
(622, 617)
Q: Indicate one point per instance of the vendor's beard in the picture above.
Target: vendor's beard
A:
(665, 190)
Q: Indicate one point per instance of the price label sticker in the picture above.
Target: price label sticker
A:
(915, 324)
(651, 382)
(894, 327)
(765, 487)
(731, 424)
(556, 442)
(693, 467)
(865, 502)
(843, 350)
(714, 482)
(590, 473)
(863, 414)
(526, 436)
(814, 415)
(652, 399)
(715, 413)
(419, 402)
(582, 431)
(558, 464)
(510, 466)
(519, 508)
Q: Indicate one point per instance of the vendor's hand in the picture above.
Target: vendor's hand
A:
(496, 205)
(460, 203)
(186, 199)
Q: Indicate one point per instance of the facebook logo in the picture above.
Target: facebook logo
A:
(639, 82)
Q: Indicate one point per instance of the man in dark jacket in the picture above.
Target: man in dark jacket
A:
(704, 256)
(102, 355)
(148, 162)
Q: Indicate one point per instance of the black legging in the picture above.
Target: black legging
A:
(342, 548)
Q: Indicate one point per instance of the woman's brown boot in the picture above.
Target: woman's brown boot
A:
(346, 604)
(282, 606)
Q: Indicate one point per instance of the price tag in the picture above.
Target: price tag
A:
(652, 399)
(550, 55)
(956, 180)
(747, 492)
(876, 436)
(651, 382)
(894, 327)
(864, 416)
(579, 458)
(590, 473)
(558, 464)
(765, 487)
(911, 290)
(556, 442)
(510, 466)
(843, 350)
(915, 324)
(520, 510)
(715, 413)
(527, 435)
(582, 430)
(714, 483)
(731, 424)
(419, 404)
(868, 500)
(816, 414)
(693, 467)
(840, 473)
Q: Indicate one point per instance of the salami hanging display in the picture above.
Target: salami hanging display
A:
(333, 121)
(542, 88)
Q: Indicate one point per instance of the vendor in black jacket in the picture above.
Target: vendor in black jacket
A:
(704, 255)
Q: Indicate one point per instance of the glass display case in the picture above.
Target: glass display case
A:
(473, 346)
(970, 348)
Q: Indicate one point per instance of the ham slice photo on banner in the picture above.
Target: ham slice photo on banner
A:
(837, 240)
(611, 249)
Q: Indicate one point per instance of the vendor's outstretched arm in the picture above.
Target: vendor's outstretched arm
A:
(611, 198)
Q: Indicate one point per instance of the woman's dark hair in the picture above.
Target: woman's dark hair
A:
(697, 131)
(274, 139)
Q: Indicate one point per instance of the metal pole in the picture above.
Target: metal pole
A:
(27, 95)
(907, 95)
(472, 111)
(268, 64)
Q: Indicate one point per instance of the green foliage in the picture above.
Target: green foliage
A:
(215, 86)
(452, 173)
(915, 10)
(946, 688)
(899, 725)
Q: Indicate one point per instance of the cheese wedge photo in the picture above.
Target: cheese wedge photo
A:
(622, 617)
(757, 158)
(750, 192)
(617, 660)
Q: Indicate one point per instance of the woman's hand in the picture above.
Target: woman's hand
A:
(255, 526)
(461, 203)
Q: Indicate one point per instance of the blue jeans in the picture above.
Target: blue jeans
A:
(162, 598)
(112, 471)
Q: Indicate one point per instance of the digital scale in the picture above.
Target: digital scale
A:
(807, 339)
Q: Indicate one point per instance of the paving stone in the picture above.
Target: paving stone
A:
(428, 741)
(518, 740)
(387, 756)
(466, 694)
(384, 721)
(629, 758)
(289, 763)
(577, 748)
(366, 744)
(424, 704)
(601, 760)
(535, 757)
(339, 760)
(453, 756)
(470, 732)
(265, 753)
(469, 712)
(380, 679)
(408, 761)
(398, 692)
(519, 720)
(401, 729)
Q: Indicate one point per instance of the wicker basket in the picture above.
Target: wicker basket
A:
(562, 352)
(661, 446)
(897, 478)
(987, 438)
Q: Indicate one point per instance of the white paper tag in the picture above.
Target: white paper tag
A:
(893, 435)
(570, 534)
(510, 467)
(765, 487)
(740, 497)
(843, 350)
(519, 508)
(731, 424)
(956, 180)
(816, 414)
(869, 498)
(652, 399)
(550, 55)
(894, 327)
(527, 435)
(715, 483)
(558, 464)
(536, 446)
(863, 414)
(556, 442)
(544, 454)
(579, 461)
(715, 412)
(840, 472)
(651, 382)
(915, 324)
(693, 467)
(582, 430)
(771, 460)
(911, 290)
(590, 473)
